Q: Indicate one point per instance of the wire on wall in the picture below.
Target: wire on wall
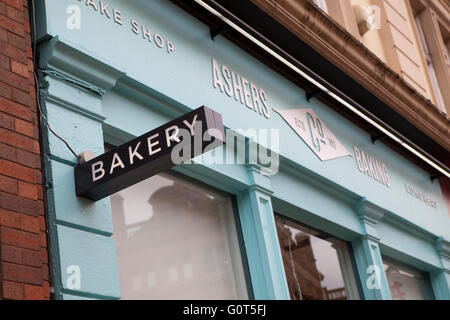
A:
(35, 70)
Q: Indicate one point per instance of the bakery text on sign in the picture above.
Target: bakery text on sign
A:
(154, 152)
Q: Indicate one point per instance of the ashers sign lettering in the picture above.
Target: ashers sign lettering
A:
(239, 88)
(149, 154)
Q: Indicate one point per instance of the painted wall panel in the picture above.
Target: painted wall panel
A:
(79, 212)
(408, 244)
(313, 198)
(83, 133)
(96, 260)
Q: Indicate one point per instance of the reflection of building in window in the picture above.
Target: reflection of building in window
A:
(405, 282)
(303, 271)
(181, 251)
(396, 292)
(311, 264)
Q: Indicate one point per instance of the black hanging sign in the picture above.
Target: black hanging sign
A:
(158, 150)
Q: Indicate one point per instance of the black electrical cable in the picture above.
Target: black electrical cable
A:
(35, 69)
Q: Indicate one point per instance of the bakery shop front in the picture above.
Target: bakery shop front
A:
(299, 202)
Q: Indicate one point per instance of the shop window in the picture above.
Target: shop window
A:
(176, 239)
(405, 282)
(317, 266)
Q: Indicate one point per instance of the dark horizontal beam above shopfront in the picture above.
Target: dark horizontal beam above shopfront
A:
(317, 66)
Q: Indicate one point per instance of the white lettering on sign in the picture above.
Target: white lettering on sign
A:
(116, 162)
(115, 15)
(134, 153)
(97, 171)
(244, 91)
(419, 195)
(170, 137)
(370, 166)
(152, 144)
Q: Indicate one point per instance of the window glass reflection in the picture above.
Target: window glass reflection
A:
(176, 240)
(312, 264)
(405, 282)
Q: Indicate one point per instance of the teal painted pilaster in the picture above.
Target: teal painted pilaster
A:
(368, 256)
(440, 280)
(82, 251)
(261, 239)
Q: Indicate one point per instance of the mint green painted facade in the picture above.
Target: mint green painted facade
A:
(105, 83)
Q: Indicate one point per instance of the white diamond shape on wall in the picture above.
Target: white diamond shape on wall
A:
(314, 133)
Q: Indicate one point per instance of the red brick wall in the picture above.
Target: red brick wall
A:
(24, 271)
